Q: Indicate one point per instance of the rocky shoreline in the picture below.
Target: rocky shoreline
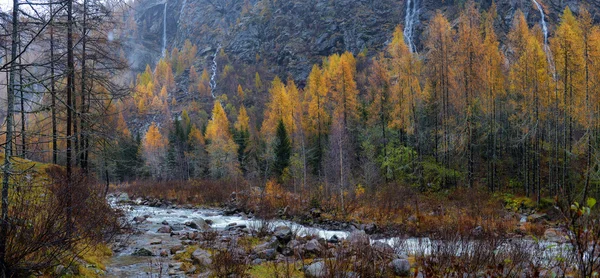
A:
(187, 247)
(185, 241)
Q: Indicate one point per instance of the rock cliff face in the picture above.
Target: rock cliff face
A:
(294, 34)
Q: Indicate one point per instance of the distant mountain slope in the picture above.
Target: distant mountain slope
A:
(294, 34)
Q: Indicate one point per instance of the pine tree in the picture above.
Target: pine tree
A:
(282, 149)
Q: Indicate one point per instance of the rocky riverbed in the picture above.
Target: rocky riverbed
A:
(182, 241)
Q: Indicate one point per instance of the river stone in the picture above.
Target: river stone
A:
(316, 270)
(334, 239)
(198, 224)
(139, 219)
(383, 249)
(142, 252)
(165, 230)
(164, 222)
(370, 228)
(312, 247)
(164, 253)
(155, 241)
(358, 238)
(283, 234)
(123, 198)
(176, 248)
(201, 258)
(400, 267)
(267, 254)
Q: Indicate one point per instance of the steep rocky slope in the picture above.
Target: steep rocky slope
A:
(293, 34)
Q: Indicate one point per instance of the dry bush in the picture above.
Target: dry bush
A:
(41, 233)
(230, 262)
(185, 192)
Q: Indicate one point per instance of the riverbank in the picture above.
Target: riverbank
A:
(183, 241)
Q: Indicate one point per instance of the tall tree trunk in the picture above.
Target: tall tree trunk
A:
(22, 104)
(83, 132)
(53, 89)
(10, 103)
(70, 113)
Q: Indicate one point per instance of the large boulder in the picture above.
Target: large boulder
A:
(283, 234)
(316, 270)
(142, 252)
(123, 198)
(370, 228)
(358, 238)
(201, 257)
(401, 267)
(198, 224)
(312, 247)
(165, 230)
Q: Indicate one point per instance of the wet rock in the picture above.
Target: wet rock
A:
(155, 241)
(382, 249)
(142, 252)
(477, 231)
(400, 267)
(267, 254)
(283, 234)
(316, 270)
(201, 258)
(191, 270)
(358, 238)
(165, 230)
(370, 228)
(164, 222)
(139, 219)
(312, 247)
(177, 227)
(164, 253)
(286, 251)
(334, 239)
(198, 224)
(123, 198)
(176, 248)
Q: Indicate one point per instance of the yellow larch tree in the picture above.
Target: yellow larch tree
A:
(222, 150)
(154, 150)
(278, 108)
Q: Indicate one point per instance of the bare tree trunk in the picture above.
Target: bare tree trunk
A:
(70, 113)
(4, 226)
(83, 131)
(22, 103)
(53, 90)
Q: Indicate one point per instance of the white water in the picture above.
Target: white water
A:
(409, 23)
(545, 30)
(164, 42)
(545, 250)
(181, 12)
(213, 77)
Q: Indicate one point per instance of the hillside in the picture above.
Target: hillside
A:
(293, 35)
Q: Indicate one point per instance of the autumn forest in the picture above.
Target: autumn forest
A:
(464, 148)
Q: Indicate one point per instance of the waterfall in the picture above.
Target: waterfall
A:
(164, 43)
(545, 30)
(182, 10)
(544, 26)
(213, 77)
(409, 23)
